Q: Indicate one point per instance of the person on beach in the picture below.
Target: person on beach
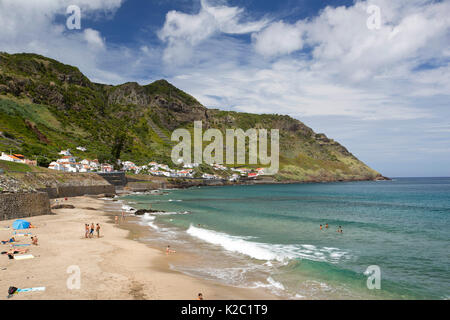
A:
(9, 241)
(10, 253)
(320, 227)
(169, 251)
(98, 230)
(34, 240)
(15, 251)
(123, 215)
(116, 218)
(86, 230)
(200, 296)
(91, 232)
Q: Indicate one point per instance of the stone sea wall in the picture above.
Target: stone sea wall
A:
(26, 194)
(22, 205)
(75, 191)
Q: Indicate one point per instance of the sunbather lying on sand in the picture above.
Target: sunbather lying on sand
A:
(34, 240)
(9, 241)
(14, 251)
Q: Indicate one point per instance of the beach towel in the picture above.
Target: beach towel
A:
(31, 289)
(21, 245)
(24, 257)
(21, 233)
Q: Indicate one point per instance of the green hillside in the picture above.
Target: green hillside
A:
(46, 106)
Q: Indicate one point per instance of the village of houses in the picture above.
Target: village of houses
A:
(68, 163)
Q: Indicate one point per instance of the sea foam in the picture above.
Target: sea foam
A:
(265, 251)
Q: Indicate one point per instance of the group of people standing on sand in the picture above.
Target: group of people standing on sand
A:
(89, 230)
(339, 230)
(116, 218)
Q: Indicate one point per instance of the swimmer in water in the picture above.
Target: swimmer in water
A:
(169, 251)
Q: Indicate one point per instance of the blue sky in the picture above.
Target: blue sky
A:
(382, 92)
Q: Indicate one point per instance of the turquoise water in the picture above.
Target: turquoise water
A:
(269, 236)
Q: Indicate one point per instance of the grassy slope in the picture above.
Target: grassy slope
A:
(38, 177)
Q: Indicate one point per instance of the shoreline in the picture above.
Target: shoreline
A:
(115, 266)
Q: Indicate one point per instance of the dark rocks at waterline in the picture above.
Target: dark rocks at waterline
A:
(141, 212)
(109, 195)
(103, 195)
(63, 206)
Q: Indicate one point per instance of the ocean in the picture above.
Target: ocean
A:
(268, 236)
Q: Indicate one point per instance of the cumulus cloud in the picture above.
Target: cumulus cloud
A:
(279, 38)
(330, 64)
(93, 38)
(29, 26)
(183, 31)
(341, 41)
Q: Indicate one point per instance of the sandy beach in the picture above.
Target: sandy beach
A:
(113, 266)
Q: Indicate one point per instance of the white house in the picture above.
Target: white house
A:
(8, 157)
(208, 176)
(70, 159)
(71, 167)
(128, 165)
(260, 171)
(106, 167)
(65, 152)
(94, 164)
(184, 173)
(56, 166)
(83, 149)
(83, 168)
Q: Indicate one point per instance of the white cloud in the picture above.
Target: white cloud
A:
(29, 26)
(279, 38)
(348, 70)
(93, 38)
(341, 41)
(183, 31)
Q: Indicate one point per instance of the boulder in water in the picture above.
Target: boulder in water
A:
(141, 212)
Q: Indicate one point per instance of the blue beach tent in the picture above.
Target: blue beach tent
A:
(21, 224)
